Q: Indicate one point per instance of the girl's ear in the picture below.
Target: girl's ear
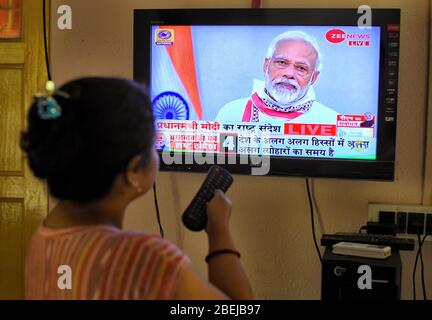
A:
(133, 171)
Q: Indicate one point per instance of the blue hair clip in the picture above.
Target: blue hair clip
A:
(48, 108)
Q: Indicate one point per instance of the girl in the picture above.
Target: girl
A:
(92, 141)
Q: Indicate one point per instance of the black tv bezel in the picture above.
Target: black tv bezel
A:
(382, 168)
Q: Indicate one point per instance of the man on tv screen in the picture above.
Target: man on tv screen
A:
(291, 68)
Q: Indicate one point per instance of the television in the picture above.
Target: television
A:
(294, 92)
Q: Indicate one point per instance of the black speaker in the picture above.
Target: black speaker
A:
(341, 274)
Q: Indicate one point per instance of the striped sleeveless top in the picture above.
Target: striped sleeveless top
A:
(101, 262)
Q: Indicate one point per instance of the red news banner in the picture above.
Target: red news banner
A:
(310, 129)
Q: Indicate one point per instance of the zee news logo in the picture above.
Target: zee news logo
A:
(354, 40)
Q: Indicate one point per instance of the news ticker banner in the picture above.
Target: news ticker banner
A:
(352, 137)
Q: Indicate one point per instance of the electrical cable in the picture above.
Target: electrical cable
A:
(420, 244)
(312, 219)
(415, 269)
(422, 268)
(157, 211)
(46, 41)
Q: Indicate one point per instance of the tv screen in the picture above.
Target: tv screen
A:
(300, 92)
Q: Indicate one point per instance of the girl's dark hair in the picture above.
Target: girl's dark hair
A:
(104, 123)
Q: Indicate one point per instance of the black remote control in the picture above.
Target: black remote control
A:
(195, 216)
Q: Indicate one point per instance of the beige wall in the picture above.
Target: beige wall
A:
(271, 215)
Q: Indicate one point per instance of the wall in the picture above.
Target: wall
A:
(427, 192)
(271, 220)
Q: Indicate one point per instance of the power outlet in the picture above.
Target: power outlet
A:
(409, 219)
(402, 222)
(416, 223)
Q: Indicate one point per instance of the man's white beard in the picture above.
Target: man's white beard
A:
(282, 95)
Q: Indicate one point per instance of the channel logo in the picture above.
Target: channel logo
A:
(354, 40)
(164, 37)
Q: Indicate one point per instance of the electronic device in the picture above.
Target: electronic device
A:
(362, 250)
(395, 243)
(341, 275)
(223, 88)
(195, 216)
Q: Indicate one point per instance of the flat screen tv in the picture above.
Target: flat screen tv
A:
(296, 92)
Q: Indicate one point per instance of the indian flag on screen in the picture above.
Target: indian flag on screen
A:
(174, 85)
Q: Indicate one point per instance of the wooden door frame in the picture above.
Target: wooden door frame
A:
(20, 186)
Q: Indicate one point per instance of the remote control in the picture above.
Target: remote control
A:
(362, 250)
(195, 216)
